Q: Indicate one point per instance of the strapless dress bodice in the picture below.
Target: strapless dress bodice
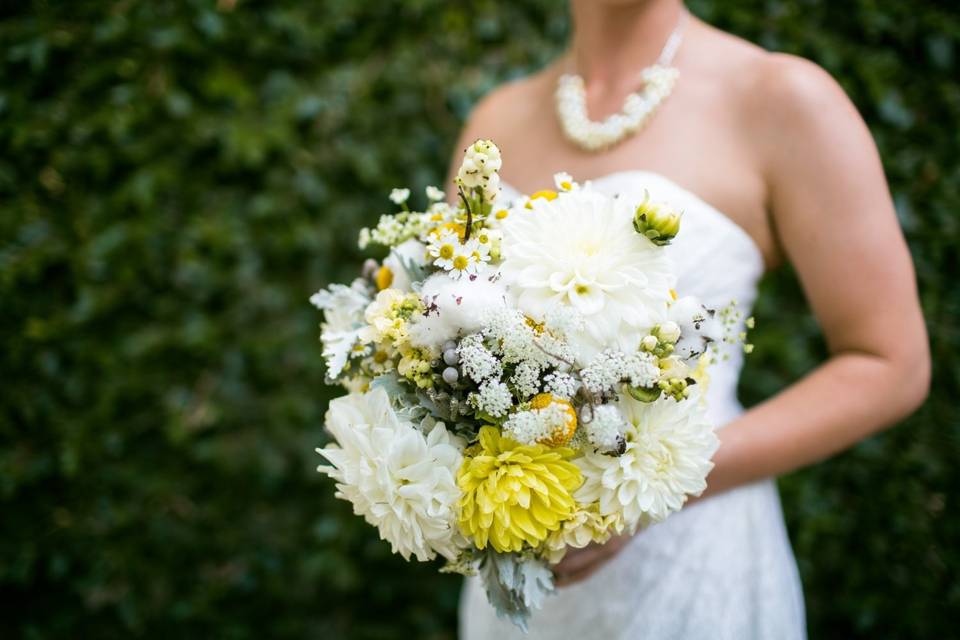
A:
(721, 569)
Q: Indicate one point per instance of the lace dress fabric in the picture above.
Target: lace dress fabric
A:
(720, 569)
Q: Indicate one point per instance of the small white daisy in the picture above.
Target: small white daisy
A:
(399, 196)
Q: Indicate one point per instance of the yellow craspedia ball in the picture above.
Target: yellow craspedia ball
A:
(563, 432)
(383, 278)
(515, 494)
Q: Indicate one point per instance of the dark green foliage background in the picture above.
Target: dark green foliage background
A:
(177, 177)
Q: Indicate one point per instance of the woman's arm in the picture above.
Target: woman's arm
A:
(835, 221)
(834, 218)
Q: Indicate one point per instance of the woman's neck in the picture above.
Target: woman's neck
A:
(613, 41)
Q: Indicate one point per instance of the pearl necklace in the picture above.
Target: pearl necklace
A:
(658, 81)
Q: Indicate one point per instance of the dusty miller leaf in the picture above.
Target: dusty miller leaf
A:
(515, 585)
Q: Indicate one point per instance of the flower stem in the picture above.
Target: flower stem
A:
(466, 205)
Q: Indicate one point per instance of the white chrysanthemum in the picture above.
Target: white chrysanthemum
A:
(667, 457)
(455, 306)
(342, 308)
(401, 481)
(581, 250)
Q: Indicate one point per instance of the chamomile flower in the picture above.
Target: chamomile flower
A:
(434, 194)
(399, 196)
(564, 181)
(444, 247)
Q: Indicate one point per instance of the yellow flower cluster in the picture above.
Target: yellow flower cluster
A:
(585, 526)
(416, 365)
(515, 494)
(388, 316)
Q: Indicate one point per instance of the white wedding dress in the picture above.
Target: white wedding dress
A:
(721, 569)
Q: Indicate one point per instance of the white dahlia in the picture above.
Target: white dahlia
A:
(401, 481)
(669, 446)
(581, 250)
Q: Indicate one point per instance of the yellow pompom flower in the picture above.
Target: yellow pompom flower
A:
(383, 278)
(564, 430)
(515, 494)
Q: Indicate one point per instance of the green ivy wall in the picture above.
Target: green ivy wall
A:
(177, 177)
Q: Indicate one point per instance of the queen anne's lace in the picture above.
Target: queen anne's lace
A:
(493, 398)
(536, 425)
(560, 384)
(476, 360)
(606, 428)
(526, 379)
(611, 367)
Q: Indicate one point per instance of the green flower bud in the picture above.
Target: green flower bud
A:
(668, 331)
(644, 394)
(649, 343)
(658, 222)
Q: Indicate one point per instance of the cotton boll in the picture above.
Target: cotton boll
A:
(455, 306)
(698, 326)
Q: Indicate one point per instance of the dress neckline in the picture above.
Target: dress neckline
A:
(721, 217)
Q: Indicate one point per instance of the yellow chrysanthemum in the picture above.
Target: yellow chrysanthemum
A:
(515, 494)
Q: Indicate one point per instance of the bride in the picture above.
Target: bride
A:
(770, 162)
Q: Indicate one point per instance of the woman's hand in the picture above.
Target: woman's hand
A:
(580, 564)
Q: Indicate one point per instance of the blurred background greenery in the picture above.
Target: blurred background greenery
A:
(176, 178)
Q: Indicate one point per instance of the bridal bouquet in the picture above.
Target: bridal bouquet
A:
(523, 378)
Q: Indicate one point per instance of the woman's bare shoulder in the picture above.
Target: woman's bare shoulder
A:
(763, 78)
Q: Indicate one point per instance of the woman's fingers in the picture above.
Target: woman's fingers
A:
(580, 564)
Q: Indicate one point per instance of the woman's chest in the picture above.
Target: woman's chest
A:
(699, 148)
